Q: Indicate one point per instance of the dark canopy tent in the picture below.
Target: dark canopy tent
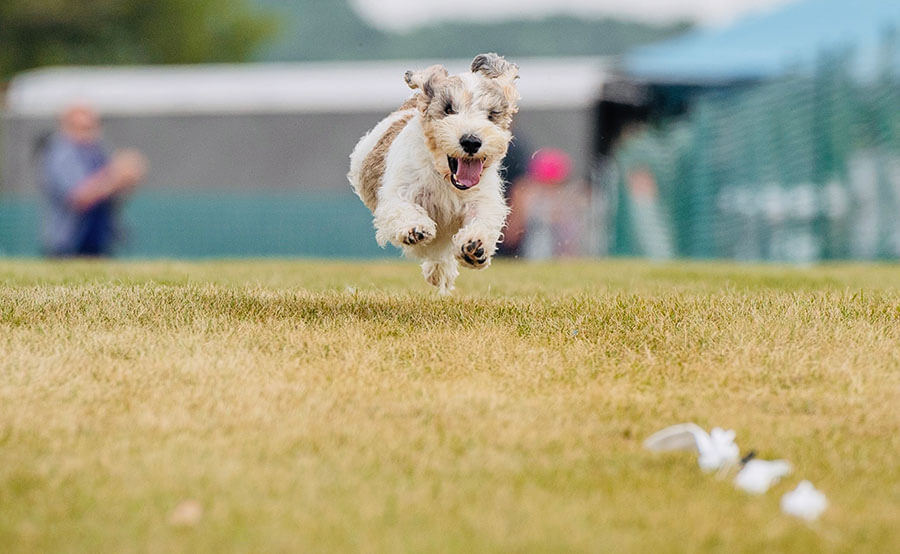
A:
(659, 80)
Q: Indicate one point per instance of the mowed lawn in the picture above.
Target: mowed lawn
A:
(281, 406)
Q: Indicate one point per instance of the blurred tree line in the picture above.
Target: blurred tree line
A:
(332, 30)
(36, 33)
(62, 32)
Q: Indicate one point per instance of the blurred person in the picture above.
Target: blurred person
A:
(515, 166)
(548, 209)
(518, 155)
(83, 185)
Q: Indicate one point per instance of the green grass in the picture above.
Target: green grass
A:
(320, 407)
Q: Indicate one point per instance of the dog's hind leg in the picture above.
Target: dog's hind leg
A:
(441, 273)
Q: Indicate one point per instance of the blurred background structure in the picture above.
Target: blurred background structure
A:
(775, 138)
(772, 133)
(252, 159)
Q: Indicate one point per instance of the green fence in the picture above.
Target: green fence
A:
(803, 168)
(209, 223)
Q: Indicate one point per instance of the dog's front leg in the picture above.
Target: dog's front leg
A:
(475, 243)
(401, 222)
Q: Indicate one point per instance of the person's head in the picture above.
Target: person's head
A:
(80, 123)
(550, 166)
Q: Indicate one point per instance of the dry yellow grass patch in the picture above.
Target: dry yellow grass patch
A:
(320, 406)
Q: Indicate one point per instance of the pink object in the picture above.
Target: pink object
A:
(550, 166)
(469, 172)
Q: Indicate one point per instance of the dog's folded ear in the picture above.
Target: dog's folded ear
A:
(426, 79)
(494, 66)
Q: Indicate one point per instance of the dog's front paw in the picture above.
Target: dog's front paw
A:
(472, 253)
(417, 234)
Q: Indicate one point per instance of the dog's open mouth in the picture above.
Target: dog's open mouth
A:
(465, 172)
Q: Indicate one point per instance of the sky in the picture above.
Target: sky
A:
(405, 14)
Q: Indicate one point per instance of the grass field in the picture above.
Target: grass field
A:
(321, 407)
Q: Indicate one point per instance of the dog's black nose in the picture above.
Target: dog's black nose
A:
(470, 143)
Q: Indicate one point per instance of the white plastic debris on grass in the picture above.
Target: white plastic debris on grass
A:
(758, 475)
(804, 502)
(716, 449)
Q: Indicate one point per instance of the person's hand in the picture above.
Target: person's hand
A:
(127, 168)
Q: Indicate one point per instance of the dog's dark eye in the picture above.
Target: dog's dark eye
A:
(448, 109)
(494, 115)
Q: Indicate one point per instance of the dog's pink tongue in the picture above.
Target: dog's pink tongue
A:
(469, 172)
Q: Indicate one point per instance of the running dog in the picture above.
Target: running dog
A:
(430, 170)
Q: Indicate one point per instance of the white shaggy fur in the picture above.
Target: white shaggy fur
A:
(420, 206)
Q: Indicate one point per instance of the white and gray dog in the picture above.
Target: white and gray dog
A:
(430, 170)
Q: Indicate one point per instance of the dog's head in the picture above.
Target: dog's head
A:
(466, 117)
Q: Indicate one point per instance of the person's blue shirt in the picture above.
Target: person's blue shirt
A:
(68, 231)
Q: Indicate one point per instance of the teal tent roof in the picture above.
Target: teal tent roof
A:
(766, 45)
